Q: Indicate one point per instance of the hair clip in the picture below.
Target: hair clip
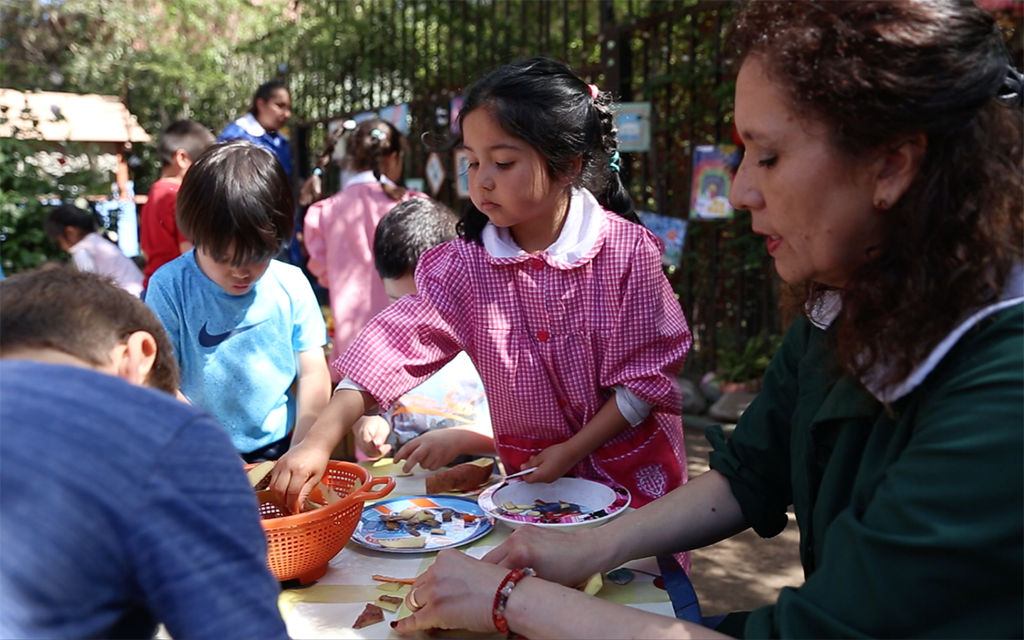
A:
(594, 91)
(613, 163)
(1011, 91)
(380, 135)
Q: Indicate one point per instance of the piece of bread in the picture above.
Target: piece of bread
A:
(463, 477)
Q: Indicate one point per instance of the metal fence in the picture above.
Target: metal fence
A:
(364, 55)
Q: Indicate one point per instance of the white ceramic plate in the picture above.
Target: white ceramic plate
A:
(565, 503)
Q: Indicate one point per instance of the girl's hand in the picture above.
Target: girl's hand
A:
(433, 449)
(552, 463)
(296, 473)
(565, 557)
(371, 433)
(456, 592)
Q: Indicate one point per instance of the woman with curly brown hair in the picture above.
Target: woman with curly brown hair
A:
(883, 165)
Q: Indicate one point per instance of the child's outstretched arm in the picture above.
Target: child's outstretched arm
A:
(298, 471)
(436, 448)
(555, 461)
(313, 390)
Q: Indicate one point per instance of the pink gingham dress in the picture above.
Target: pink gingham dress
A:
(338, 234)
(551, 340)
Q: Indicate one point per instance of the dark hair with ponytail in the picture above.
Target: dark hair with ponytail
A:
(312, 188)
(372, 140)
(544, 103)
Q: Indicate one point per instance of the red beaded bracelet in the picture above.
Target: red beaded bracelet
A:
(501, 597)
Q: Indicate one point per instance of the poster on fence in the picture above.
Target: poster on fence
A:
(713, 169)
(671, 232)
(633, 121)
(453, 113)
(398, 115)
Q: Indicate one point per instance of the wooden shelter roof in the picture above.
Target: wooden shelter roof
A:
(69, 117)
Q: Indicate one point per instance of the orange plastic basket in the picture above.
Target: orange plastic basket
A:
(300, 546)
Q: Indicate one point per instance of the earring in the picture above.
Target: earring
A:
(881, 204)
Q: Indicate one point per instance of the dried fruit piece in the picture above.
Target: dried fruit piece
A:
(404, 543)
(593, 584)
(372, 614)
(390, 603)
(380, 578)
(463, 477)
(259, 473)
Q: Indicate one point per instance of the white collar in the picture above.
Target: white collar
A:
(581, 231)
(251, 125)
(87, 240)
(827, 308)
(365, 177)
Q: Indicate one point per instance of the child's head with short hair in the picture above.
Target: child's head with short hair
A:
(568, 122)
(180, 144)
(236, 207)
(67, 224)
(80, 314)
(403, 235)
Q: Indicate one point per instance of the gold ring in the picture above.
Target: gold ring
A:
(413, 604)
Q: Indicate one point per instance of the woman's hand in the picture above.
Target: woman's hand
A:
(565, 557)
(433, 449)
(456, 592)
(297, 472)
(552, 463)
(370, 434)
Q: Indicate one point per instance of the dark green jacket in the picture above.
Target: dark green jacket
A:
(911, 524)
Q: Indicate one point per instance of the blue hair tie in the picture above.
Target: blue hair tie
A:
(380, 135)
(613, 163)
(318, 172)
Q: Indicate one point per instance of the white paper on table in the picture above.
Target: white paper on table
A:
(478, 552)
(334, 620)
(355, 565)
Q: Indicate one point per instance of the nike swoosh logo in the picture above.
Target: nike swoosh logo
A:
(207, 339)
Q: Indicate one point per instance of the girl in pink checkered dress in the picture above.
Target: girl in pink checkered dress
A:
(555, 291)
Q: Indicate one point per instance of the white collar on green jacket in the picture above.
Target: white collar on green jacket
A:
(826, 309)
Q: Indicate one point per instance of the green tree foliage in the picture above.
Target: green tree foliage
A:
(166, 59)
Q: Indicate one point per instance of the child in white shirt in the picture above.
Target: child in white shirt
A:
(74, 230)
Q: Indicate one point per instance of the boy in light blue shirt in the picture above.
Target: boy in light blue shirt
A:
(245, 328)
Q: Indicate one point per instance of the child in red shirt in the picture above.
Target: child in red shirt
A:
(162, 242)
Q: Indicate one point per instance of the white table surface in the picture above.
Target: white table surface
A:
(327, 608)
